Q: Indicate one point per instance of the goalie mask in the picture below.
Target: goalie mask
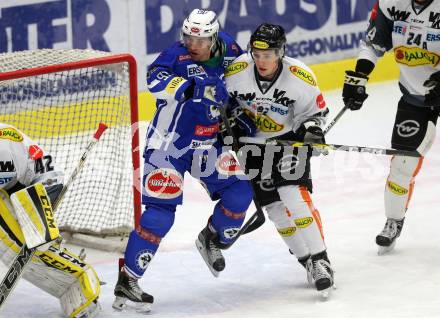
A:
(8, 171)
(201, 24)
(268, 37)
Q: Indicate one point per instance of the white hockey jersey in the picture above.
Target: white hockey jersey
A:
(292, 99)
(23, 161)
(413, 33)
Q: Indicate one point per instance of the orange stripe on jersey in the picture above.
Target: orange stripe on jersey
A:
(412, 182)
(315, 213)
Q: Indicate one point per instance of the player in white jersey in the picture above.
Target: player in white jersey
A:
(26, 166)
(276, 96)
(412, 29)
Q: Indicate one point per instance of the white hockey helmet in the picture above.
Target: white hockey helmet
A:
(8, 171)
(201, 23)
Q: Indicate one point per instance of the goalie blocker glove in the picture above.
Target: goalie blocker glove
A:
(353, 92)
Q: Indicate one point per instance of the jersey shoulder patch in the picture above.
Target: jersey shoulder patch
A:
(11, 134)
(303, 74)
(240, 64)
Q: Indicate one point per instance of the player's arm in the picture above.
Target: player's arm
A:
(162, 82)
(313, 118)
(378, 40)
(41, 168)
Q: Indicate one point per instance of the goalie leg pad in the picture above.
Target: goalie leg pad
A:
(65, 276)
(11, 236)
(34, 212)
(306, 216)
(284, 223)
(400, 185)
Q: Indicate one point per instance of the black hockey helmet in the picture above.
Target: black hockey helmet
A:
(268, 36)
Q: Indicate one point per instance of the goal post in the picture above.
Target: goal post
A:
(57, 97)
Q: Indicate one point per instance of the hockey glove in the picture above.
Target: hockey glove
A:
(433, 85)
(353, 92)
(315, 135)
(210, 90)
(245, 123)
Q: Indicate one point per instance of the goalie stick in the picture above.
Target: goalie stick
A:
(25, 254)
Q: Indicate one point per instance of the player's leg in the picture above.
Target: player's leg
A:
(283, 220)
(409, 132)
(235, 196)
(291, 175)
(161, 193)
(280, 216)
(308, 222)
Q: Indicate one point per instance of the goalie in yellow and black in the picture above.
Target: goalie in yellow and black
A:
(29, 185)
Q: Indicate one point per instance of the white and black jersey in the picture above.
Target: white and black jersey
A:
(412, 31)
(282, 105)
(22, 161)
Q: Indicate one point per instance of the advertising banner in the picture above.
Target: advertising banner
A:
(317, 30)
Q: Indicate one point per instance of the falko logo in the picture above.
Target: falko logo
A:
(164, 183)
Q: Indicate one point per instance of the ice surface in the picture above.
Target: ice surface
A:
(262, 279)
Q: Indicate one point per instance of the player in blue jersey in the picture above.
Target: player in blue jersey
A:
(187, 80)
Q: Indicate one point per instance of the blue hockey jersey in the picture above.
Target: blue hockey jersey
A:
(185, 123)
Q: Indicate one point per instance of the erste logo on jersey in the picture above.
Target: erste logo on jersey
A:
(10, 134)
(164, 183)
(303, 75)
(235, 68)
(195, 70)
(415, 56)
(227, 165)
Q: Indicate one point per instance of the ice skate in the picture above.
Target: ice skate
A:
(320, 273)
(129, 296)
(209, 251)
(387, 238)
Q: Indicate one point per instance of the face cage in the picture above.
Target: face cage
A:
(213, 37)
(279, 52)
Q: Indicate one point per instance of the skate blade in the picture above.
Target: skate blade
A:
(385, 249)
(202, 252)
(124, 304)
(325, 293)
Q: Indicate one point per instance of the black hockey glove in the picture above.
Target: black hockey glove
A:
(432, 97)
(353, 92)
(314, 134)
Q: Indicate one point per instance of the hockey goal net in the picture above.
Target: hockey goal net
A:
(58, 98)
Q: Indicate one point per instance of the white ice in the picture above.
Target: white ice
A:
(262, 279)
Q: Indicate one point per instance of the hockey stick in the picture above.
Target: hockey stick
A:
(335, 120)
(258, 218)
(25, 255)
(320, 147)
